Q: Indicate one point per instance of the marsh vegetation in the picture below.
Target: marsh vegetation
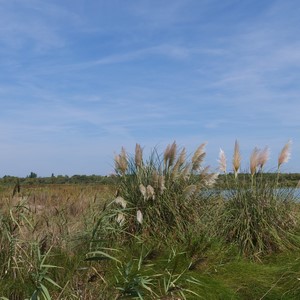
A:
(159, 230)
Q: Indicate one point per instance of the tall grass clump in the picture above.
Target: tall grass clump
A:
(258, 213)
(159, 195)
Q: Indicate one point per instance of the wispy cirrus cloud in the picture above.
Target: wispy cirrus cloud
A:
(93, 76)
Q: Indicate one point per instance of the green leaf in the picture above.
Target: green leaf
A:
(45, 292)
(50, 266)
(52, 282)
(35, 296)
(100, 255)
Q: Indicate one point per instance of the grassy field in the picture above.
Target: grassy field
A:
(160, 232)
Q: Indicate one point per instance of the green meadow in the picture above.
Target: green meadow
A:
(163, 227)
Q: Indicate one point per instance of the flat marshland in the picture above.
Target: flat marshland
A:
(159, 230)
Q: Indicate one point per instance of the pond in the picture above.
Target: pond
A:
(291, 193)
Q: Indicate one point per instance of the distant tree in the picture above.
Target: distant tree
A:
(32, 175)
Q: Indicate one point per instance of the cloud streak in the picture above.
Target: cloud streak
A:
(84, 79)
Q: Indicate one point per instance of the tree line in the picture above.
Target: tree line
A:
(285, 179)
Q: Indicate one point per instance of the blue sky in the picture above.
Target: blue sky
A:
(79, 79)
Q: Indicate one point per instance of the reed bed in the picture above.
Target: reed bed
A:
(163, 231)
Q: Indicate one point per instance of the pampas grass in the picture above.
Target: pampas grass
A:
(258, 215)
(159, 189)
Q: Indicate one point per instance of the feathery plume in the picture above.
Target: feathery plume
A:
(204, 171)
(189, 191)
(186, 172)
(121, 201)
(182, 157)
(211, 179)
(121, 163)
(222, 161)
(254, 160)
(263, 157)
(198, 157)
(139, 216)
(285, 154)
(180, 161)
(143, 190)
(138, 155)
(172, 154)
(236, 158)
(161, 184)
(120, 218)
(167, 154)
(150, 192)
(155, 178)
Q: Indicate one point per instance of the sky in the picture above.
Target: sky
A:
(80, 79)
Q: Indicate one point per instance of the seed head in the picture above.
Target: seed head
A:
(150, 192)
(254, 160)
(138, 156)
(263, 157)
(170, 154)
(120, 219)
(143, 191)
(211, 179)
(121, 201)
(285, 154)
(139, 216)
(222, 161)
(121, 163)
(198, 157)
(236, 158)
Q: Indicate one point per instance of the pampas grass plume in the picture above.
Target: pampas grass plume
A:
(121, 163)
(254, 160)
(120, 218)
(198, 157)
(263, 157)
(211, 179)
(121, 201)
(285, 154)
(143, 191)
(138, 155)
(139, 216)
(150, 192)
(236, 158)
(222, 161)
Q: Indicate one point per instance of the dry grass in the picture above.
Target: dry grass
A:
(44, 219)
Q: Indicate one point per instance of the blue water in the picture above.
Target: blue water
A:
(291, 193)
